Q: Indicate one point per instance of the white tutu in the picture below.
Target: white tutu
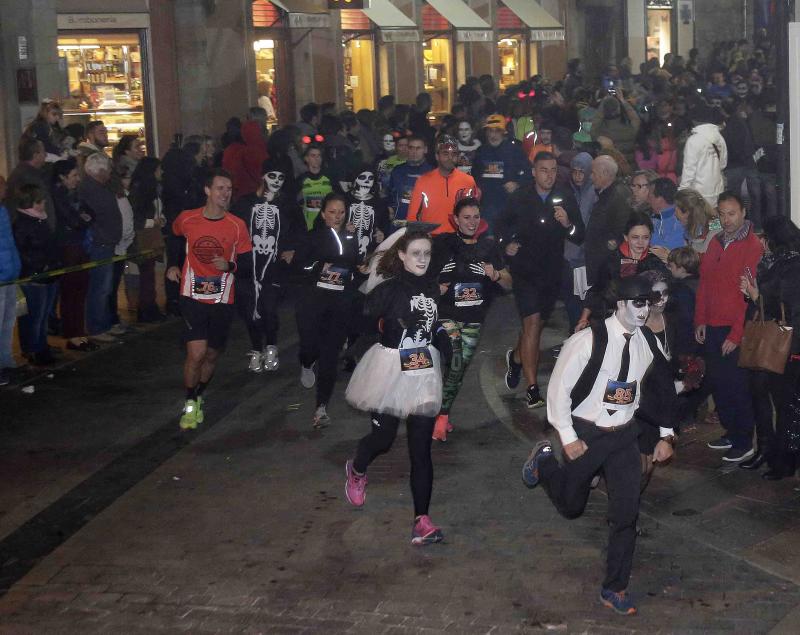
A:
(379, 385)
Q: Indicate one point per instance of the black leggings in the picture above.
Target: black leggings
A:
(380, 439)
(263, 330)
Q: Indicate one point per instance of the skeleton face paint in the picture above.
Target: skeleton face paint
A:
(274, 181)
(632, 316)
(388, 143)
(661, 289)
(464, 132)
(417, 256)
(362, 186)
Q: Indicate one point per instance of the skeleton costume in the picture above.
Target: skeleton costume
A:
(366, 211)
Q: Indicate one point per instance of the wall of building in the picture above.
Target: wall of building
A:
(717, 20)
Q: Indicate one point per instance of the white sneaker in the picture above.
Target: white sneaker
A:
(103, 338)
(255, 362)
(270, 358)
(321, 418)
(308, 377)
(118, 329)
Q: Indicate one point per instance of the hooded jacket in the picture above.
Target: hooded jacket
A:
(10, 264)
(586, 197)
(244, 160)
(705, 156)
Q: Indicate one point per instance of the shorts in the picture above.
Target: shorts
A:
(532, 299)
(210, 322)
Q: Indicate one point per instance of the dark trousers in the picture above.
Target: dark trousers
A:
(380, 439)
(74, 287)
(572, 303)
(176, 255)
(617, 454)
(147, 286)
(731, 389)
(113, 300)
(322, 318)
(263, 330)
(765, 386)
(785, 386)
(40, 299)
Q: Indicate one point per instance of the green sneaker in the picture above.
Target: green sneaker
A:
(200, 416)
(189, 419)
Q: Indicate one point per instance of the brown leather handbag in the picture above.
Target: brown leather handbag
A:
(766, 343)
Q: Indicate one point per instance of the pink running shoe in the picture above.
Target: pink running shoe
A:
(425, 532)
(355, 488)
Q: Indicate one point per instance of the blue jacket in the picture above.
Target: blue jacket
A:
(401, 184)
(493, 167)
(10, 264)
(667, 230)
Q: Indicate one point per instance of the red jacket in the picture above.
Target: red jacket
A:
(719, 300)
(244, 160)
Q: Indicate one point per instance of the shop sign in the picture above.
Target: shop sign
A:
(547, 35)
(103, 21)
(309, 21)
(22, 48)
(399, 35)
(474, 36)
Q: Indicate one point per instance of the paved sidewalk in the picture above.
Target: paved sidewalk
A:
(243, 527)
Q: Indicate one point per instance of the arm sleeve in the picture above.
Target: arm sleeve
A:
(578, 232)
(416, 199)
(505, 225)
(177, 224)
(689, 172)
(700, 297)
(752, 257)
(243, 244)
(570, 363)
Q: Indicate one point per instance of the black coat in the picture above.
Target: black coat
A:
(607, 222)
(36, 245)
(615, 266)
(779, 282)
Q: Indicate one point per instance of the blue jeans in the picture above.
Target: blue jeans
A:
(8, 316)
(33, 326)
(98, 298)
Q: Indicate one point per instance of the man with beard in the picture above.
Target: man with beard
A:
(276, 225)
(591, 399)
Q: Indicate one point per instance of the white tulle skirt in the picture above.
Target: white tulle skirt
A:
(379, 385)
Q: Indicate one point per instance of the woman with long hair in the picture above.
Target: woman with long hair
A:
(698, 217)
(46, 127)
(400, 377)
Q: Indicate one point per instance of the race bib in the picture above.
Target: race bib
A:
(619, 395)
(333, 278)
(405, 197)
(493, 170)
(468, 293)
(207, 288)
(416, 361)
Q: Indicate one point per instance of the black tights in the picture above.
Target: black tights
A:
(380, 439)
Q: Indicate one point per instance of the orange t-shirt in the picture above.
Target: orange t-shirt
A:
(440, 193)
(206, 238)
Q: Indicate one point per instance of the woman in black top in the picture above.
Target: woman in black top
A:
(330, 256)
(400, 377)
(469, 265)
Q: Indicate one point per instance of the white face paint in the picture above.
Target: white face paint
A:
(274, 181)
(464, 132)
(362, 186)
(632, 316)
(661, 289)
(388, 143)
(417, 256)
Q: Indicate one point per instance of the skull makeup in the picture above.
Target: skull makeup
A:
(362, 186)
(388, 143)
(632, 314)
(660, 288)
(274, 181)
(465, 132)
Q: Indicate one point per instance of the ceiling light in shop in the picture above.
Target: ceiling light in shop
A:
(508, 42)
(77, 47)
(263, 44)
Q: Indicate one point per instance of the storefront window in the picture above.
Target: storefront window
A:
(104, 78)
(512, 65)
(265, 77)
(437, 66)
(359, 73)
(659, 33)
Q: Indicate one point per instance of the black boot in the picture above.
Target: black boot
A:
(755, 461)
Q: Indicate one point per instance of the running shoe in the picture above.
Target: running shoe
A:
(534, 397)
(723, 443)
(270, 358)
(307, 376)
(425, 532)
(355, 488)
(530, 470)
(513, 370)
(735, 455)
(441, 428)
(255, 365)
(189, 418)
(321, 418)
(619, 601)
(200, 416)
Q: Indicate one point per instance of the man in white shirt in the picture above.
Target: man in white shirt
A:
(591, 402)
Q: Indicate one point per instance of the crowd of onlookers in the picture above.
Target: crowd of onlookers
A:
(673, 170)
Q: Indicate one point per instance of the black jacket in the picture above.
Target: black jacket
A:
(323, 250)
(607, 222)
(35, 244)
(71, 228)
(102, 203)
(779, 282)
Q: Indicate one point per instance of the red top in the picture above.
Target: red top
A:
(244, 160)
(719, 300)
(206, 238)
(440, 193)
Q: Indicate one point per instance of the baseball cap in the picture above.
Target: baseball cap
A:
(496, 122)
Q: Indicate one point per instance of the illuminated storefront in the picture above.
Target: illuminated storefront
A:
(269, 46)
(437, 59)
(659, 29)
(358, 45)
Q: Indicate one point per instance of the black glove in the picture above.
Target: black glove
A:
(441, 340)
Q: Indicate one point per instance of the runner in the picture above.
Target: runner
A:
(404, 177)
(469, 265)
(400, 377)
(314, 184)
(593, 414)
(214, 241)
(330, 255)
(277, 226)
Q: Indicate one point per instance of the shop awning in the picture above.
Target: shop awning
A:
(459, 14)
(302, 6)
(533, 14)
(387, 16)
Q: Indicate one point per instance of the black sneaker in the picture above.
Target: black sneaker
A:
(513, 370)
(734, 455)
(723, 443)
(534, 398)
